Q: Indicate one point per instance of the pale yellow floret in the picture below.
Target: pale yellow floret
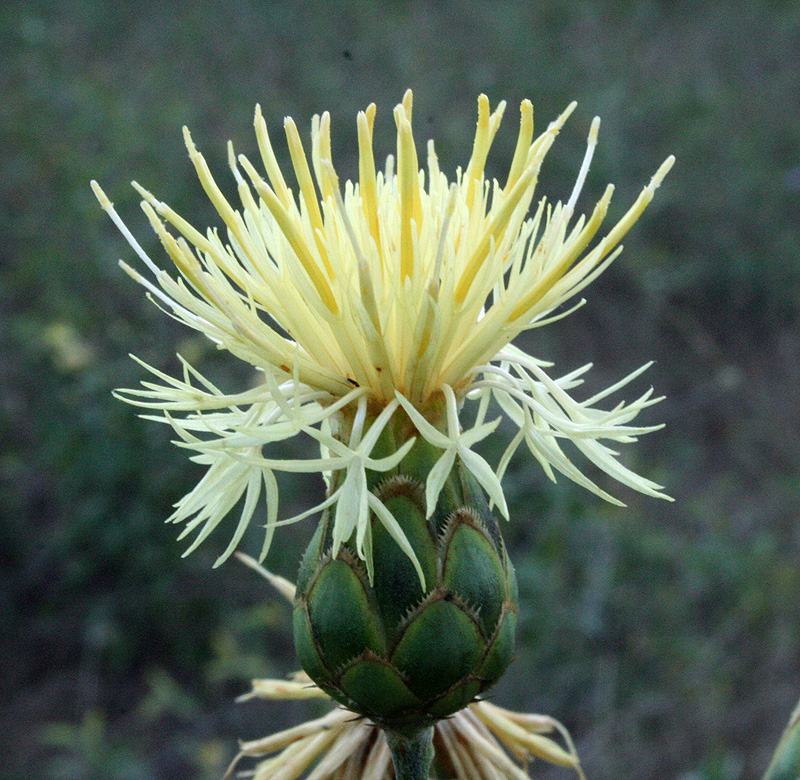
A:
(270, 162)
(291, 231)
(321, 154)
(523, 143)
(408, 191)
(307, 190)
(484, 135)
(403, 289)
(367, 178)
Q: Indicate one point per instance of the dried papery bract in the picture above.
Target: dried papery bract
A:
(481, 742)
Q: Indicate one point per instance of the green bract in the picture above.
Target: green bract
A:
(399, 653)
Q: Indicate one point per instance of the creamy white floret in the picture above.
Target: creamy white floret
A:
(401, 291)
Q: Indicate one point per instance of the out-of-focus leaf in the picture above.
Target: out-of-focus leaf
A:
(785, 764)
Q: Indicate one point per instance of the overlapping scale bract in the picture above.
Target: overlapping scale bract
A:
(391, 650)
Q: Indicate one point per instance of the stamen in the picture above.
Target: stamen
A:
(587, 160)
(433, 286)
(367, 179)
(303, 174)
(270, 162)
(484, 135)
(523, 144)
(295, 238)
(408, 190)
(321, 151)
(108, 207)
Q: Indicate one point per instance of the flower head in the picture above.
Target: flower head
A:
(395, 295)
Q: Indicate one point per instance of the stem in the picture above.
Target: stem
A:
(412, 753)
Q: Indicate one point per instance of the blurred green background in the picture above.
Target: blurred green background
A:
(666, 636)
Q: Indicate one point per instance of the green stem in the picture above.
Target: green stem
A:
(412, 753)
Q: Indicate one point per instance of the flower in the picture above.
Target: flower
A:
(473, 744)
(399, 295)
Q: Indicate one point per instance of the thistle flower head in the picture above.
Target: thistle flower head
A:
(359, 303)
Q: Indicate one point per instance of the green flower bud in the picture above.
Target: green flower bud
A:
(403, 654)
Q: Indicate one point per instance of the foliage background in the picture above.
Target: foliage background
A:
(667, 637)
